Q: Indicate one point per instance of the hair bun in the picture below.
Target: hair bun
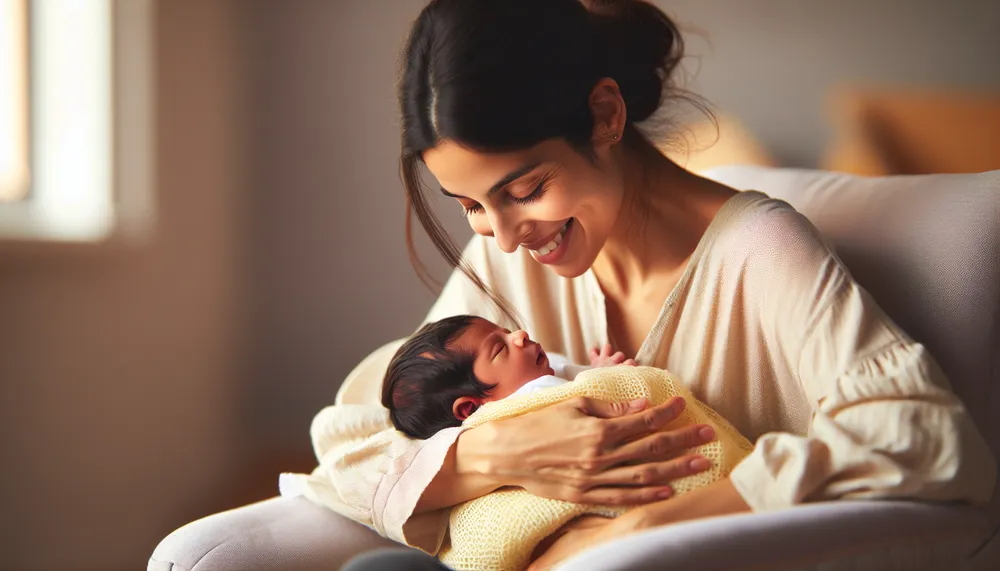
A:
(639, 47)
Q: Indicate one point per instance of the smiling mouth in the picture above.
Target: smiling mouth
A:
(553, 243)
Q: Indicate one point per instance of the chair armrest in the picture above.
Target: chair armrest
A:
(280, 534)
(834, 536)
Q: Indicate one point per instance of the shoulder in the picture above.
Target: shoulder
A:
(779, 258)
(762, 223)
(764, 234)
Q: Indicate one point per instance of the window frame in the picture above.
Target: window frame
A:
(15, 108)
(116, 204)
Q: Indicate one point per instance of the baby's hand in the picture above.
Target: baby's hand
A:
(603, 357)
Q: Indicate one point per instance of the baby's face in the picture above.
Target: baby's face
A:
(505, 359)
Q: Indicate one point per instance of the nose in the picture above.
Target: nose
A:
(520, 338)
(508, 234)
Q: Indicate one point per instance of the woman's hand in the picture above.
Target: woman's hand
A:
(608, 357)
(587, 451)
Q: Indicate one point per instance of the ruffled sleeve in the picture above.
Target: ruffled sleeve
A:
(885, 422)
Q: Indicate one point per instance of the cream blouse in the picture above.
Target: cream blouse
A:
(766, 326)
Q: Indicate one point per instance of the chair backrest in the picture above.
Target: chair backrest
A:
(928, 250)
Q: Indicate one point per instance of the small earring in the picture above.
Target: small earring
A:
(614, 137)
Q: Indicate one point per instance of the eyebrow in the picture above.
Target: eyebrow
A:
(509, 178)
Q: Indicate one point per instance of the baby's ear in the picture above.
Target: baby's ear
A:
(465, 406)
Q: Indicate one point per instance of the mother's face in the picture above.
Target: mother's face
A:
(549, 199)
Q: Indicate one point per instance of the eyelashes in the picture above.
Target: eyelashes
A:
(535, 195)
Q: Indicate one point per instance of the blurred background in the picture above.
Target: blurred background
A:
(168, 332)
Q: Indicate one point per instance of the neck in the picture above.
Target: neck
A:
(665, 211)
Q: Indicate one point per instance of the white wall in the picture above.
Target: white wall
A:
(122, 372)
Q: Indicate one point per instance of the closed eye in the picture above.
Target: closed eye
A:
(535, 195)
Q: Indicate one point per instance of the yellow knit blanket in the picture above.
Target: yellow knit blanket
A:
(499, 531)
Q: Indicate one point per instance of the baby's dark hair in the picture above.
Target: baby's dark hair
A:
(427, 375)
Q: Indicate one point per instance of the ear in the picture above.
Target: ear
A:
(608, 107)
(463, 407)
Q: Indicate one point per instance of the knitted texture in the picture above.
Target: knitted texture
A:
(499, 531)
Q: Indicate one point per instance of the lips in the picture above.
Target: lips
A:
(555, 237)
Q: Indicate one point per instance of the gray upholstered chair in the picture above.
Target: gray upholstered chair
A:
(926, 247)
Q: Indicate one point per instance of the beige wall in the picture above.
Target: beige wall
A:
(331, 274)
(121, 373)
(773, 62)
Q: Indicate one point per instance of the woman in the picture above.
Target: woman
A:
(525, 113)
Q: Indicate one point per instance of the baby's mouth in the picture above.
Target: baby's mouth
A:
(541, 357)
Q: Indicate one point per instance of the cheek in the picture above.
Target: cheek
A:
(480, 224)
(597, 201)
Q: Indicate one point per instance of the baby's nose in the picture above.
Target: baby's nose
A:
(520, 338)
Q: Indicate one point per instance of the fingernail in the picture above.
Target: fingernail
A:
(637, 404)
(665, 493)
(699, 464)
(707, 433)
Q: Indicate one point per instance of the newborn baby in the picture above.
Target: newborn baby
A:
(467, 371)
(450, 368)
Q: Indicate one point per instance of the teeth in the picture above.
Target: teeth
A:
(554, 243)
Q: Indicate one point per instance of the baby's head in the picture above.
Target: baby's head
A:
(451, 367)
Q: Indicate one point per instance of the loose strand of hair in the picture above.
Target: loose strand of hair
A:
(417, 205)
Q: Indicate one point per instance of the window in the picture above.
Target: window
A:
(75, 84)
(13, 100)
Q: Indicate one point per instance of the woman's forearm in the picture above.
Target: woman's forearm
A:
(719, 498)
(457, 481)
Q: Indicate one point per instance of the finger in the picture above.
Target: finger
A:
(607, 409)
(624, 428)
(653, 474)
(661, 445)
(594, 352)
(610, 496)
(606, 352)
(629, 362)
(618, 357)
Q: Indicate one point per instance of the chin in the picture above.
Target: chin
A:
(575, 267)
(570, 271)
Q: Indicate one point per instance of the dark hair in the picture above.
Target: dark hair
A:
(501, 75)
(427, 375)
